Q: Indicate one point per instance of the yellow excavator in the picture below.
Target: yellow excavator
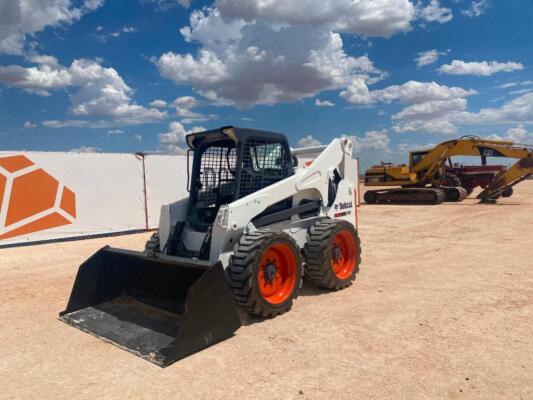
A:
(424, 180)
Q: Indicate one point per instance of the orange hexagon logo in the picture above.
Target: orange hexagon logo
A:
(31, 200)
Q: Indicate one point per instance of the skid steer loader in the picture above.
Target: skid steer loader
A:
(253, 222)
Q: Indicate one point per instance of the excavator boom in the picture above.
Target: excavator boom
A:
(428, 168)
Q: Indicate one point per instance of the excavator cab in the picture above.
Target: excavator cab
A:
(415, 157)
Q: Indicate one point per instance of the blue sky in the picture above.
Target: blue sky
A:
(137, 75)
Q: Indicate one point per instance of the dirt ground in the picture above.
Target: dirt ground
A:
(442, 308)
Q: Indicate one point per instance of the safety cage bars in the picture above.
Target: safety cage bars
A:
(264, 162)
(215, 180)
(221, 174)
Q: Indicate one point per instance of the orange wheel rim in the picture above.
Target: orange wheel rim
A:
(343, 255)
(277, 272)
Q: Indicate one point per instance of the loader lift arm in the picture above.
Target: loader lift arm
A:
(233, 218)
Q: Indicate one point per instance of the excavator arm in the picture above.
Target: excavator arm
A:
(506, 179)
(473, 146)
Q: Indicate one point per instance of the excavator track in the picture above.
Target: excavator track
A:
(454, 193)
(425, 196)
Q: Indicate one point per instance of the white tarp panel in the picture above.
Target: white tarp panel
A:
(166, 182)
(49, 195)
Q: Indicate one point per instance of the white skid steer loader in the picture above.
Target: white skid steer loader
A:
(253, 225)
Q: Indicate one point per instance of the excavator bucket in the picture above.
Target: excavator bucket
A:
(159, 308)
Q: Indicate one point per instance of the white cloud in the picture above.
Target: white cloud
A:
(519, 109)
(266, 52)
(482, 68)
(357, 92)
(115, 131)
(258, 62)
(433, 12)
(308, 141)
(428, 57)
(521, 91)
(185, 102)
(76, 123)
(100, 35)
(443, 116)
(22, 18)
(418, 92)
(430, 107)
(184, 106)
(323, 103)
(172, 141)
(507, 85)
(137, 137)
(41, 77)
(404, 147)
(365, 17)
(93, 4)
(513, 84)
(158, 104)
(432, 116)
(86, 149)
(50, 61)
(371, 148)
(207, 67)
(99, 92)
(411, 92)
(518, 134)
(116, 34)
(476, 8)
(164, 5)
(103, 93)
(372, 140)
(29, 125)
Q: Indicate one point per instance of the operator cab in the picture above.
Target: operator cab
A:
(228, 164)
(416, 157)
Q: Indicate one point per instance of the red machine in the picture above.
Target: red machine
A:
(472, 176)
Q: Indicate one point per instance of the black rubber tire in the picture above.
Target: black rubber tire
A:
(507, 192)
(318, 251)
(370, 197)
(244, 266)
(152, 245)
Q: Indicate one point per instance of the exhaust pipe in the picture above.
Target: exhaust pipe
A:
(159, 308)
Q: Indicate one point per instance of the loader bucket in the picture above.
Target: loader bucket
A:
(161, 309)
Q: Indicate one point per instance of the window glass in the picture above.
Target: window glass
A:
(417, 157)
(266, 156)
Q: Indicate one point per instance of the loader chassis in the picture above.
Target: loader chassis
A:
(253, 224)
